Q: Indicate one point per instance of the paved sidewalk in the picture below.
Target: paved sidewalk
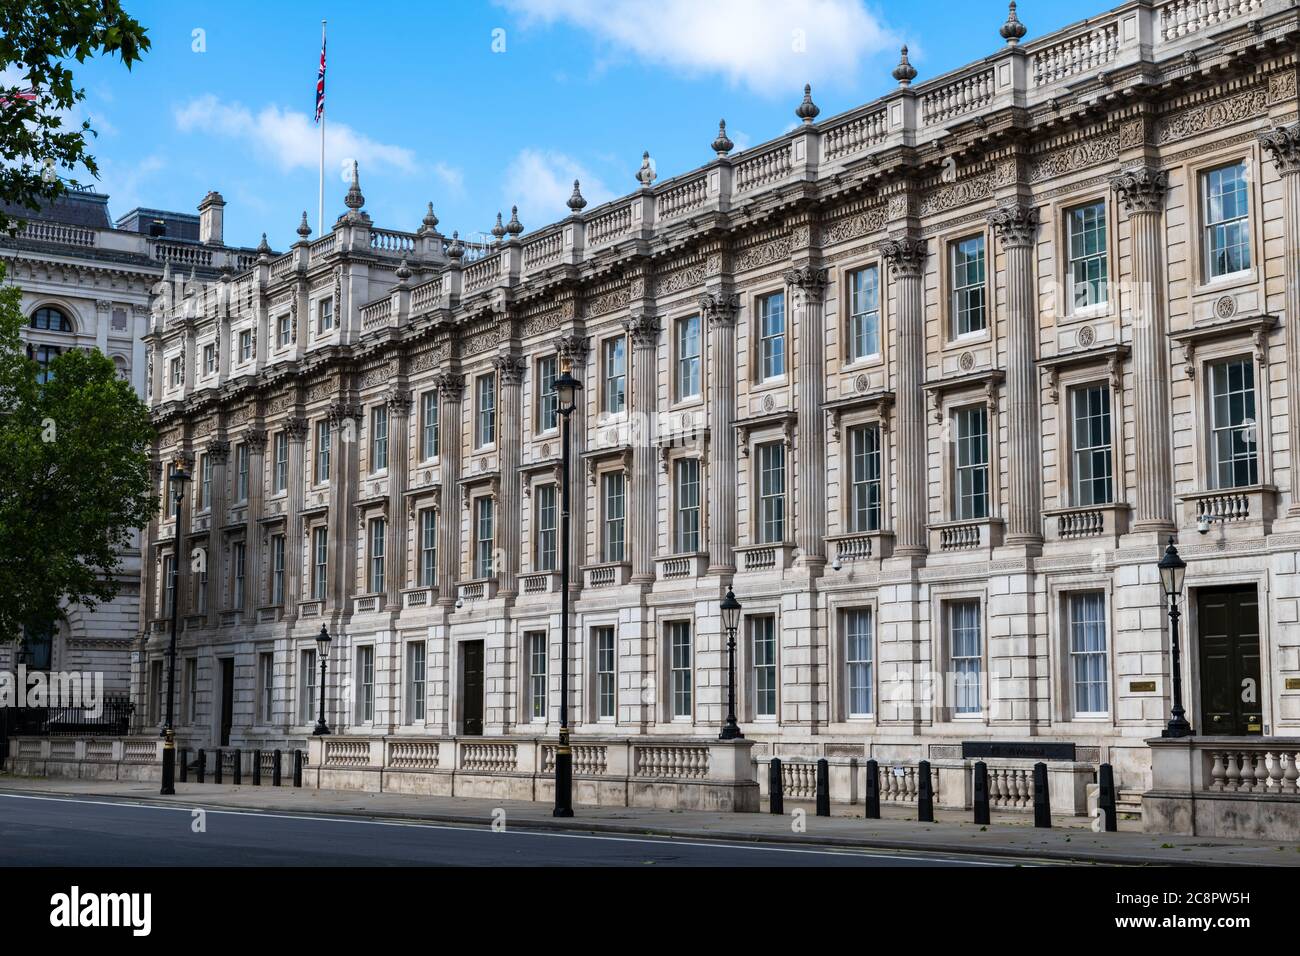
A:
(1014, 838)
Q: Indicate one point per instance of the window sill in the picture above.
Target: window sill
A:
(1228, 281)
(1086, 314)
(863, 363)
(967, 339)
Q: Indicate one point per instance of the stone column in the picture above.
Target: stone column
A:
(718, 310)
(150, 560)
(256, 439)
(575, 348)
(906, 257)
(1142, 191)
(808, 285)
(1016, 226)
(451, 389)
(293, 543)
(218, 455)
(510, 376)
(1283, 145)
(395, 546)
(341, 569)
(643, 330)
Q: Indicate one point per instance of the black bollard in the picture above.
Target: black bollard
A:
(275, 768)
(257, 768)
(924, 793)
(823, 788)
(872, 797)
(775, 787)
(201, 768)
(238, 768)
(184, 759)
(981, 792)
(1106, 797)
(1042, 805)
(216, 767)
(297, 768)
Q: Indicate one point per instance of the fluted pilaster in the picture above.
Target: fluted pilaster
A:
(1141, 192)
(293, 544)
(510, 375)
(253, 534)
(451, 391)
(575, 349)
(906, 258)
(218, 455)
(1016, 227)
(1282, 143)
(808, 288)
(718, 310)
(643, 330)
(344, 420)
(398, 401)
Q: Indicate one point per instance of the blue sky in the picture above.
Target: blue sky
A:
(427, 101)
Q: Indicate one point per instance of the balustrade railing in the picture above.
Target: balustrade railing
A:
(543, 250)
(347, 753)
(855, 135)
(489, 758)
(653, 760)
(1184, 17)
(957, 98)
(398, 243)
(1077, 55)
(767, 167)
(1262, 769)
(683, 198)
(57, 232)
(426, 295)
(413, 754)
(610, 226)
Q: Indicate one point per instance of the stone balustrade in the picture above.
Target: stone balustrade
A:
(93, 758)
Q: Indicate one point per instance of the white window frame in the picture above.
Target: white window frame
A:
(772, 353)
(375, 571)
(484, 536)
(548, 400)
(968, 298)
(681, 669)
(1209, 225)
(545, 527)
(606, 671)
(1217, 429)
(859, 660)
(365, 684)
(485, 410)
(1081, 220)
(687, 510)
(417, 700)
(613, 366)
(864, 327)
(764, 670)
(1082, 632)
(379, 439)
(613, 547)
(428, 565)
(429, 425)
(538, 688)
(688, 378)
(771, 510)
(1083, 449)
(965, 463)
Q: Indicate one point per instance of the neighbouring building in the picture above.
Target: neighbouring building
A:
(88, 282)
(930, 383)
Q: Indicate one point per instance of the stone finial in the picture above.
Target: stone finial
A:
(1013, 31)
(430, 221)
(723, 144)
(263, 247)
(354, 200)
(905, 73)
(514, 226)
(576, 202)
(403, 271)
(499, 229)
(304, 230)
(807, 110)
(646, 174)
(455, 250)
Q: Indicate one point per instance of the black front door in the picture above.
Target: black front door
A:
(227, 698)
(1228, 634)
(471, 674)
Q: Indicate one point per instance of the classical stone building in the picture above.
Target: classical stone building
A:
(88, 282)
(929, 383)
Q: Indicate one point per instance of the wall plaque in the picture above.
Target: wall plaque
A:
(1017, 749)
(1141, 687)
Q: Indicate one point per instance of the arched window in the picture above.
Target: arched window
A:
(50, 319)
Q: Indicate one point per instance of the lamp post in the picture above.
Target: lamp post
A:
(177, 480)
(730, 608)
(323, 652)
(566, 400)
(1172, 571)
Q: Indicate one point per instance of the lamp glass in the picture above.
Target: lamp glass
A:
(730, 608)
(1173, 569)
(323, 644)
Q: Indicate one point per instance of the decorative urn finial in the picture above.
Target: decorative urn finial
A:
(304, 230)
(905, 73)
(723, 144)
(403, 271)
(1013, 31)
(576, 202)
(646, 174)
(498, 229)
(514, 226)
(430, 221)
(807, 110)
(354, 200)
(263, 247)
(456, 249)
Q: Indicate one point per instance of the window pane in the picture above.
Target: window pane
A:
(864, 313)
(965, 654)
(763, 630)
(1088, 663)
(771, 330)
(858, 657)
(1233, 442)
(967, 276)
(688, 357)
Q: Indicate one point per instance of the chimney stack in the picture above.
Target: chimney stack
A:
(210, 219)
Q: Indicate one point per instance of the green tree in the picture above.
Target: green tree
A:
(74, 478)
(38, 38)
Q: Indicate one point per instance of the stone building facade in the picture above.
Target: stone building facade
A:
(929, 383)
(88, 282)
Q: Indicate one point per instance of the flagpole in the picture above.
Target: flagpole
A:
(320, 198)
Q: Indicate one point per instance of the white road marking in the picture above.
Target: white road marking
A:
(522, 831)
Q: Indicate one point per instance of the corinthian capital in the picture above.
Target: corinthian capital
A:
(1141, 189)
(574, 347)
(1015, 224)
(339, 411)
(297, 428)
(809, 280)
(510, 368)
(719, 307)
(450, 385)
(905, 255)
(398, 401)
(1283, 146)
(643, 329)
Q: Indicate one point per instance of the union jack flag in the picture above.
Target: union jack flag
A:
(9, 98)
(320, 83)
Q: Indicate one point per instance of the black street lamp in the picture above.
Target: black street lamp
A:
(177, 478)
(730, 608)
(1172, 571)
(323, 652)
(566, 400)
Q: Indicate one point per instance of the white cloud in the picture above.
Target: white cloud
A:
(126, 183)
(770, 46)
(452, 179)
(290, 139)
(540, 181)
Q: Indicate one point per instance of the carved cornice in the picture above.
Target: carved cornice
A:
(1283, 146)
(1016, 224)
(905, 255)
(1141, 189)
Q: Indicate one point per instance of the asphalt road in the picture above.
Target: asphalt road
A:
(55, 831)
